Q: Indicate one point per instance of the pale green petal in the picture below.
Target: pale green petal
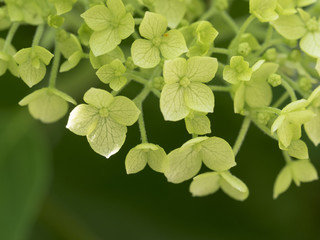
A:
(303, 3)
(199, 97)
(230, 75)
(63, 6)
(136, 160)
(285, 133)
(32, 96)
(98, 17)
(71, 62)
(43, 54)
(290, 26)
(239, 98)
(83, 119)
(98, 98)
(298, 149)
(318, 66)
(145, 54)
(304, 171)
(126, 26)
(264, 10)
(277, 123)
(282, 182)
(183, 164)
(22, 55)
(264, 71)
(109, 72)
(194, 142)
(31, 75)
(300, 117)
(174, 70)
(310, 44)
(117, 8)
(117, 83)
(104, 41)
(101, 60)
(217, 154)
(258, 94)
(312, 127)
(201, 69)
(172, 102)
(205, 184)
(123, 111)
(63, 95)
(173, 44)
(198, 123)
(173, 10)
(233, 186)
(108, 137)
(294, 106)
(152, 25)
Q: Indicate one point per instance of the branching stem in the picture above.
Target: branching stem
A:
(242, 135)
(10, 35)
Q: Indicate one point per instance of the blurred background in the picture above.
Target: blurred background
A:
(54, 187)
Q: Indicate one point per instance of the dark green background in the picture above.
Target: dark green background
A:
(54, 187)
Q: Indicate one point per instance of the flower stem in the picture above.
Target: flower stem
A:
(142, 127)
(289, 89)
(38, 35)
(220, 88)
(10, 36)
(136, 78)
(281, 100)
(230, 21)
(55, 66)
(220, 51)
(286, 156)
(242, 134)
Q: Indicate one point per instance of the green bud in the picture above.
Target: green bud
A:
(295, 55)
(312, 25)
(55, 21)
(274, 80)
(221, 5)
(305, 84)
(271, 55)
(263, 118)
(158, 83)
(291, 43)
(244, 49)
(129, 64)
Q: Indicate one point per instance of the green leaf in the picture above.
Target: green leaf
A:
(217, 154)
(153, 25)
(145, 54)
(310, 44)
(201, 69)
(83, 119)
(233, 186)
(101, 60)
(173, 44)
(264, 10)
(173, 10)
(113, 73)
(282, 182)
(144, 153)
(304, 171)
(183, 164)
(198, 123)
(298, 149)
(312, 127)
(107, 137)
(174, 70)
(123, 111)
(290, 26)
(205, 184)
(98, 98)
(25, 174)
(45, 105)
(172, 102)
(199, 97)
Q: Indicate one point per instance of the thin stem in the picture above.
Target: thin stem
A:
(137, 21)
(115, 93)
(264, 129)
(242, 135)
(230, 21)
(220, 51)
(156, 92)
(142, 95)
(286, 156)
(38, 35)
(55, 66)
(209, 13)
(220, 88)
(142, 126)
(281, 100)
(289, 89)
(10, 36)
(136, 78)
(293, 85)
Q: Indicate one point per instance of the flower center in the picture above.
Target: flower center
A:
(104, 112)
(156, 41)
(184, 82)
(312, 25)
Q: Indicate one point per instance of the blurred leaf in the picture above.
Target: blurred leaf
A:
(24, 175)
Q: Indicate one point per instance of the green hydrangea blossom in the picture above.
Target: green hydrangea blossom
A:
(185, 162)
(104, 120)
(7, 61)
(32, 64)
(146, 52)
(47, 104)
(113, 74)
(70, 48)
(298, 171)
(301, 27)
(110, 25)
(107, 58)
(208, 183)
(184, 90)
(288, 123)
(143, 154)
